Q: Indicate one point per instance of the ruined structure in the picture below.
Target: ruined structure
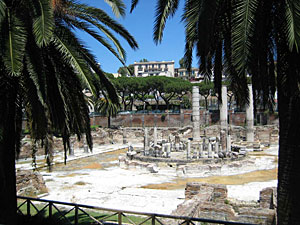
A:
(210, 201)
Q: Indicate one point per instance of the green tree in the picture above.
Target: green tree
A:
(168, 88)
(44, 68)
(247, 36)
(126, 70)
(205, 89)
(143, 89)
(144, 60)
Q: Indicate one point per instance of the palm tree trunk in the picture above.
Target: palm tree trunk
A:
(8, 139)
(289, 167)
(288, 76)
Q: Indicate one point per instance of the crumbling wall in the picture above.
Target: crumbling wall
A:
(210, 201)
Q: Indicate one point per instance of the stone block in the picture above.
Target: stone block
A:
(266, 197)
(30, 183)
(256, 215)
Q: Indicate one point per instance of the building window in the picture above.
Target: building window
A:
(152, 66)
(181, 73)
(159, 66)
(140, 68)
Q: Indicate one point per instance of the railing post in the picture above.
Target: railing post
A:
(76, 215)
(50, 209)
(119, 218)
(153, 220)
(28, 207)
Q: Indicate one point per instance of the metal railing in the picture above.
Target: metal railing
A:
(65, 208)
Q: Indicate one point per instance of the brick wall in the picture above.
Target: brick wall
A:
(171, 120)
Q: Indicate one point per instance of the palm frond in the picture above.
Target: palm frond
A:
(118, 7)
(113, 96)
(133, 5)
(164, 10)
(43, 25)
(70, 47)
(190, 15)
(34, 76)
(2, 10)
(106, 107)
(242, 30)
(102, 17)
(86, 27)
(15, 42)
(293, 23)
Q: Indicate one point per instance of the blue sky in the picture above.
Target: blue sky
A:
(140, 25)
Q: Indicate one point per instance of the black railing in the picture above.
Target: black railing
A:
(65, 208)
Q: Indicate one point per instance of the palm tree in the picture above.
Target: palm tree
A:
(107, 108)
(245, 37)
(44, 68)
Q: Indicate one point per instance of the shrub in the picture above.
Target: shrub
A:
(163, 117)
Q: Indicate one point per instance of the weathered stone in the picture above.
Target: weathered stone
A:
(152, 168)
(30, 183)
(210, 201)
(266, 198)
(256, 215)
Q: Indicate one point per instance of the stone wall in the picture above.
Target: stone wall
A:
(30, 183)
(210, 201)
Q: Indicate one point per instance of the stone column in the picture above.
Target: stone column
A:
(188, 151)
(196, 114)
(217, 147)
(168, 150)
(124, 136)
(228, 145)
(85, 148)
(223, 109)
(146, 142)
(155, 136)
(71, 150)
(223, 140)
(250, 117)
(209, 151)
(200, 150)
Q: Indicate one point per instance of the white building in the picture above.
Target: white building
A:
(154, 68)
(193, 75)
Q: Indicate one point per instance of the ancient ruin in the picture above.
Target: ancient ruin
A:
(225, 144)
